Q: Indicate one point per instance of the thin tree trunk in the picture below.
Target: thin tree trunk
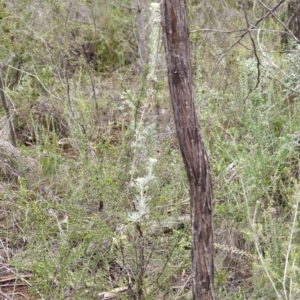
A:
(175, 33)
(7, 112)
(141, 31)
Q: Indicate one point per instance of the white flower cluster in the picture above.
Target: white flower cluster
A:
(141, 185)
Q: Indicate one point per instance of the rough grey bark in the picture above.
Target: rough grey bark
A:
(141, 31)
(177, 48)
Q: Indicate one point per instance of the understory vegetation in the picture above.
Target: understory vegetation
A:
(100, 205)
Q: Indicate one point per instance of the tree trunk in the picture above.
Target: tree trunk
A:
(175, 34)
(7, 111)
(141, 31)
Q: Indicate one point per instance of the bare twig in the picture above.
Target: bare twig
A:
(287, 30)
(235, 31)
(5, 296)
(255, 52)
(247, 31)
(217, 30)
(34, 76)
(112, 294)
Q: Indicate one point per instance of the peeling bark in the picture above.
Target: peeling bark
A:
(177, 48)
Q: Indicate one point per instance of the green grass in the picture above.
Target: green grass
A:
(93, 126)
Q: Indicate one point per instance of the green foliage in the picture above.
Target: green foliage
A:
(97, 214)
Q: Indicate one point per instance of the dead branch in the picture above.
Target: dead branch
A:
(112, 295)
(13, 164)
(247, 31)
